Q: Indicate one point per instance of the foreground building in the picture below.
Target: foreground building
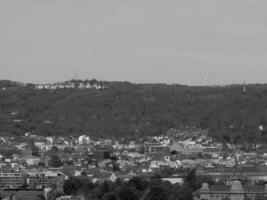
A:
(229, 174)
(234, 192)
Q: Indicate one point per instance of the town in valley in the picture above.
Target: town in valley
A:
(41, 166)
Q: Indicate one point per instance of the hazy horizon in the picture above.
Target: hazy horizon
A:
(132, 82)
(209, 42)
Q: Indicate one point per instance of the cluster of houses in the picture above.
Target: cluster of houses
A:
(42, 163)
(71, 85)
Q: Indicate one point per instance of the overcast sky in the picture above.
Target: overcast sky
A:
(172, 41)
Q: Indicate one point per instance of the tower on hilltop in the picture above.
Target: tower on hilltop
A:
(245, 88)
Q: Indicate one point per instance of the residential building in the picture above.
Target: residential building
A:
(32, 160)
(11, 180)
(234, 192)
(44, 180)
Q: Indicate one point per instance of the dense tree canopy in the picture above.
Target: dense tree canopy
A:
(133, 110)
(55, 161)
(135, 189)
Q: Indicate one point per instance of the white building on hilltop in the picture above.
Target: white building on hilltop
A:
(83, 139)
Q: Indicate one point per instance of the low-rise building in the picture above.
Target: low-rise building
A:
(233, 192)
(11, 180)
(228, 174)
(44, 180)
(32, 160)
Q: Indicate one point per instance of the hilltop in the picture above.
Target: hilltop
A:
(123, 109)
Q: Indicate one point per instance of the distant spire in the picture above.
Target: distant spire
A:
(204, 77)
(245, 88)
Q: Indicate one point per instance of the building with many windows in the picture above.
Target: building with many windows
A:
(11, 180)
(233, 192)
(229, 174)
(44, 180)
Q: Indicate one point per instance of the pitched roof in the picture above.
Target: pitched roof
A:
(219, 188)
(235, 188)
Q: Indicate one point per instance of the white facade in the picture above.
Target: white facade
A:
(83, 139)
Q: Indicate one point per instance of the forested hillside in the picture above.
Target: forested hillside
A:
(132, 110)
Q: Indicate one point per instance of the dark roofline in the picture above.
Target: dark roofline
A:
(227, 192)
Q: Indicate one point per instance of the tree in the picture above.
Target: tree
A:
(157, 193)
(259, 197)
(109, 196)
(9, 152)
(200, 179)
(135, 189)
(55, 161)
(166, 171)
(34, 148)
(105, 188)
(89, 189)
(139, 183)
(191, 180)
(41, 164)
(40, 196)
(185, 193)
(68, 150)
(68, 170)
(195, 181)
(54, 149)
(115, 166)
(128, 193)
(72, 185)
(119, 182)
(83, 173)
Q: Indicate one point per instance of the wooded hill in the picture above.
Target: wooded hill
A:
(132, 110)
